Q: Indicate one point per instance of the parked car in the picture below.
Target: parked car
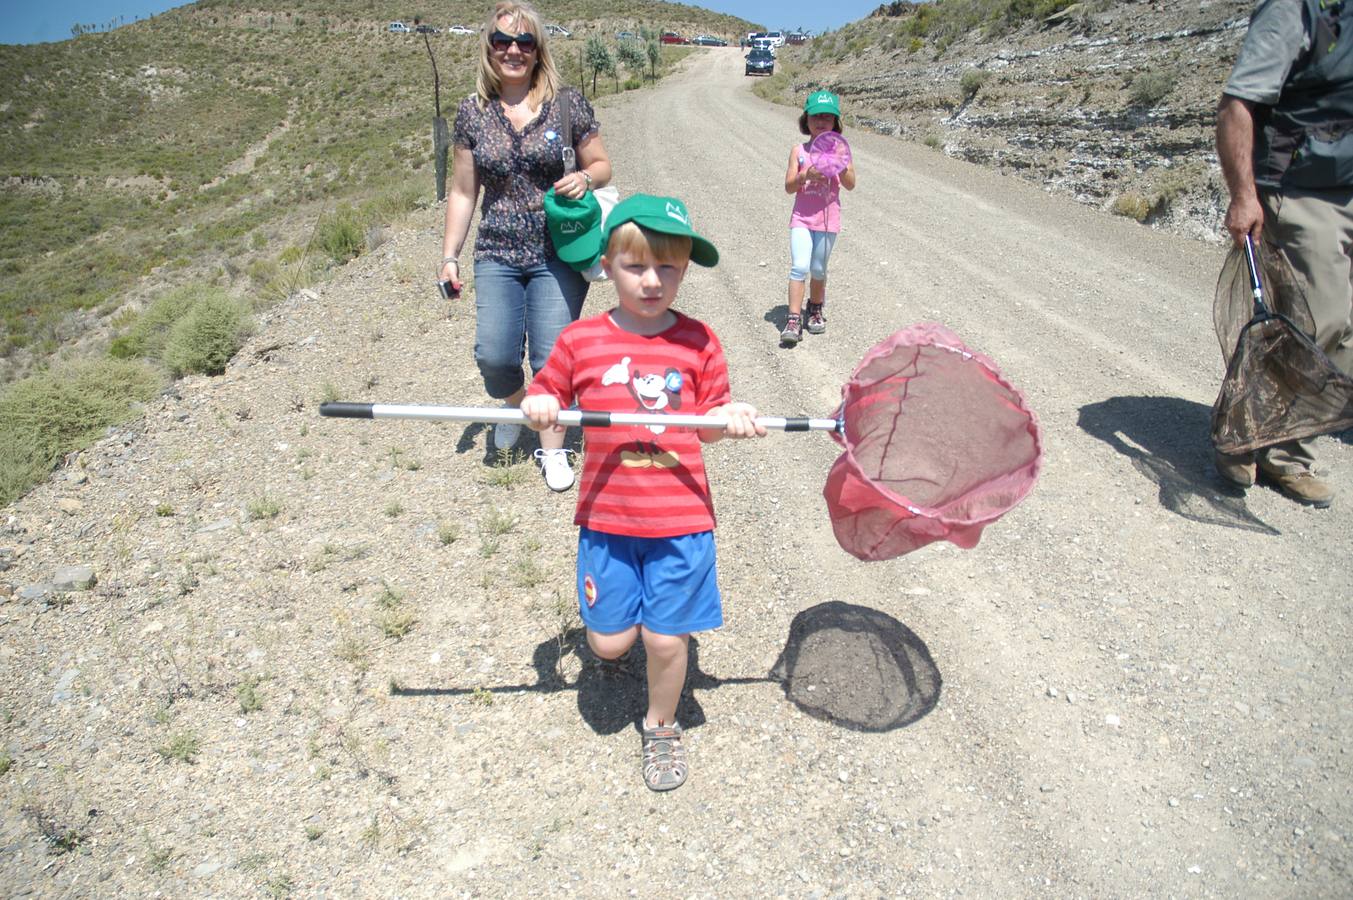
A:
(764, 43)
(397, 28)
(427, 29)
(558, 30)
(709, 40)
(776, 36)
(626, 36)
(671, 37)
(459, 29)
(760, 62)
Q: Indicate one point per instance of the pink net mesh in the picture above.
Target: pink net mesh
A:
(938, 445)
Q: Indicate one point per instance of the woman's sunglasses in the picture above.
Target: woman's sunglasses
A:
(525, 41)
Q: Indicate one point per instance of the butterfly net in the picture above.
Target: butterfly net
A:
(1279, 385)
(938, 445)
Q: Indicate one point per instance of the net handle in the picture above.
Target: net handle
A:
(1256, 284)
(336, 409)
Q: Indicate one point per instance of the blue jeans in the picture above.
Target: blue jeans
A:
(517, 308)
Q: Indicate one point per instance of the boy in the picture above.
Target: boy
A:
(646, 544)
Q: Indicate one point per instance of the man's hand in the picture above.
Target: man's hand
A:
(1245, 216)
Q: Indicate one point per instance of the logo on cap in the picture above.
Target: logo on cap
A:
(675, 211)
(572, 227)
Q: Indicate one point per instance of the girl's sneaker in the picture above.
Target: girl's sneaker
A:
(555, 467)
(664, 758)
(817, 322)
(793, 332)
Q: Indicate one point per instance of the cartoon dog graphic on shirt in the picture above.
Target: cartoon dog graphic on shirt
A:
(652, 393)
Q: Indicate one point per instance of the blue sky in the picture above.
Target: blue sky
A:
(36, 21)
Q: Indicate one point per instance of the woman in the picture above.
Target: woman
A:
(507, 141)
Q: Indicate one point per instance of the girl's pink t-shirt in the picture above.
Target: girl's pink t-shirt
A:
(817, 206)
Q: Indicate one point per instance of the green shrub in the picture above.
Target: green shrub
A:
(1131, 205)
(44, 417)
(205, 339)
(150, 330)
(1149, 88)
(972, 82)
(341, 236)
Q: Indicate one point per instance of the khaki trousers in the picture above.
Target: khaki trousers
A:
(1315, 230)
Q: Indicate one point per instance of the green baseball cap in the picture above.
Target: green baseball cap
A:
(667, 215)
(575, 228)
(822, 102)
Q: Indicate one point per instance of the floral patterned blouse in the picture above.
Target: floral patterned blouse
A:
(516, 168)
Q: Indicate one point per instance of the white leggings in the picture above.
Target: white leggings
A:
(809, 252)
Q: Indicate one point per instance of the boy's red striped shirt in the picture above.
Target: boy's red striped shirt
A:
(637, 480)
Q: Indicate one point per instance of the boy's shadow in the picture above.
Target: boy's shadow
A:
(849, 665)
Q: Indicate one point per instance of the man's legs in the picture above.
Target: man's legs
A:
(1316, 233)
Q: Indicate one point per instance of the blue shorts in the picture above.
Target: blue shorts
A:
(667, 585)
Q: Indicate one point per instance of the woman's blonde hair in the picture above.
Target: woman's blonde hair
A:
(545, 79)
(630, 238)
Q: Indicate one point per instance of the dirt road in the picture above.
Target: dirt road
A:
(1143, 673)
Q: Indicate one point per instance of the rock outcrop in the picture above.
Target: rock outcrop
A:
(1113, 104)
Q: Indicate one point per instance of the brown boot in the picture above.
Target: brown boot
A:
(1300, 485)
(1239, 470)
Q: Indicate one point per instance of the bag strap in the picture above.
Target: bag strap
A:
(566, 131)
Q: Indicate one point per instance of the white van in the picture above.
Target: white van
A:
(398, 28)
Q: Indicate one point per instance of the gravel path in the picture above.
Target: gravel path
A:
(360, 624)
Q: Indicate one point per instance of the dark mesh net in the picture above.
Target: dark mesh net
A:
(938, 445)
(1279, 384)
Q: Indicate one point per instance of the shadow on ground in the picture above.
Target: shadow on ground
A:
(1166, 438)
(850, 665)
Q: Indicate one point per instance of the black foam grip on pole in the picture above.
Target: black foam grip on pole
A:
(797, 423)
(338, 410)
(593, 419)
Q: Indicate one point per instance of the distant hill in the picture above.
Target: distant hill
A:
(1110, 101)
(205, 143)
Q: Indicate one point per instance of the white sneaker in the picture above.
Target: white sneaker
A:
(555, 467)
(506, 434)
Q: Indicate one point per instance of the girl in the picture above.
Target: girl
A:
(816, 218)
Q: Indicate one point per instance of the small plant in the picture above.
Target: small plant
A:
(263, 507)
(164, 510)
(393, 508)
(498, 522)
(448, 533)
(1131, 205)
(279, 886)
(396, 623)
(313, 832)
(507, 470)
(248, 695)
(1149, 88)
(933, 140)
(6, 761)
(158, 858)
(971, 82)
(328, 393)
(389, 598)
(181, 746)
(482, 697)
(205, 339)
(61, 837)
(528, 574)
(353, 652)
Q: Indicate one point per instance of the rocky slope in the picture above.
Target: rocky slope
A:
(1112, 103)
